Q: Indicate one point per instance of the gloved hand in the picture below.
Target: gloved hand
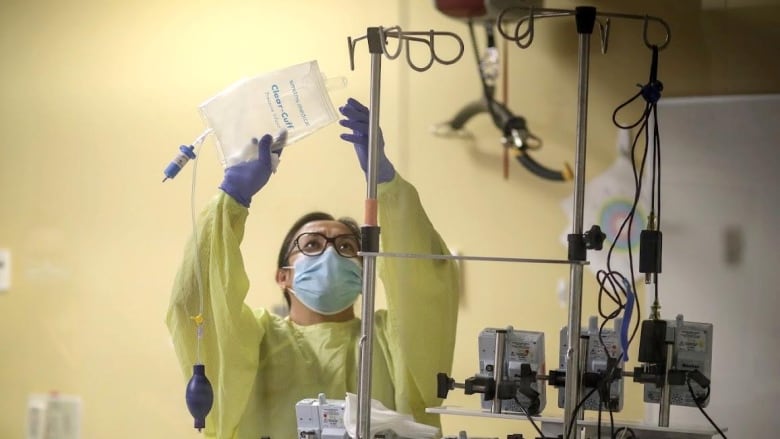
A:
(357, 119)
(243, 180)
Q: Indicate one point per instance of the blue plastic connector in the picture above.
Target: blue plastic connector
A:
(186, 153)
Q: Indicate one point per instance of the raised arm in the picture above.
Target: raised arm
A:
(212, 282)
(422, 294)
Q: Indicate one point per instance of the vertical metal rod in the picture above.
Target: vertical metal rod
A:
(498, 368)
(584, 345)
(572, 391)
(373, 128)
(585, 21)
(369, 262)
(666, 390)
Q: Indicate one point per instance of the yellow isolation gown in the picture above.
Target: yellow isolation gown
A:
(260, 365)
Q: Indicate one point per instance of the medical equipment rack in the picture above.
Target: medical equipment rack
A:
(586, 18)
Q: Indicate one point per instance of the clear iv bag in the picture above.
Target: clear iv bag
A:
(294, 99)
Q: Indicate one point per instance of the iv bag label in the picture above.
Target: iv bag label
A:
(294, 99)
(281, 111)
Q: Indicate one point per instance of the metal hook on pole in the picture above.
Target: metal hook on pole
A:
(377, 42)
(405, 40)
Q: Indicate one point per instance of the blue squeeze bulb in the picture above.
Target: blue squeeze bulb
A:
(199, 396)
(186, 153)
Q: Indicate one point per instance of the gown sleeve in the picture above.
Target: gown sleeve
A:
(229, 346)
(422, 299)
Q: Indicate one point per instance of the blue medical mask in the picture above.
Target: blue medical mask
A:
(328, 283)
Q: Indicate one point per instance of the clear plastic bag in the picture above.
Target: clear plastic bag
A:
(294, 99)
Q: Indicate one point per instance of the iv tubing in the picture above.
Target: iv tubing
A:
(198, 318)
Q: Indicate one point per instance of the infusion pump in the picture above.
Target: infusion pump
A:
(321, 418)
(523, 362)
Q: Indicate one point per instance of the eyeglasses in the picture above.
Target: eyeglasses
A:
(314, 244)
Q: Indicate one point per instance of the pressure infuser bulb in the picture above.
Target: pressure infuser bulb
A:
(186, 153)
(199, 396)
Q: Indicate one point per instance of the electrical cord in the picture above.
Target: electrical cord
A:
(697, 401)
(611, 421)
(613, 284)
(530, 418)
(650, 92)
(609, 275)
(605, 390)
(611, 418)
(656, 197)
(576, 409)
(598, 423)
(622, 431)
(604, 385)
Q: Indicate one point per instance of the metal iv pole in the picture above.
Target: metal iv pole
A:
(369, 232)
(585, 17)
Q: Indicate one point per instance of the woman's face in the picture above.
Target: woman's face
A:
(336, 234)
(313, 239)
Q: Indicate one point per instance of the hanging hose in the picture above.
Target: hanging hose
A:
(513, 128)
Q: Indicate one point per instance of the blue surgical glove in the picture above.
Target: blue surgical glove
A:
(243, 180)
(357, 120)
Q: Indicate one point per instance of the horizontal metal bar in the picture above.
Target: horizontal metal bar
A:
(472, 258)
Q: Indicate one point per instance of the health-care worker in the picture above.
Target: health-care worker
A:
(260, 365)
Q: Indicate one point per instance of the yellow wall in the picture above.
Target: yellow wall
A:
(97, 95)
